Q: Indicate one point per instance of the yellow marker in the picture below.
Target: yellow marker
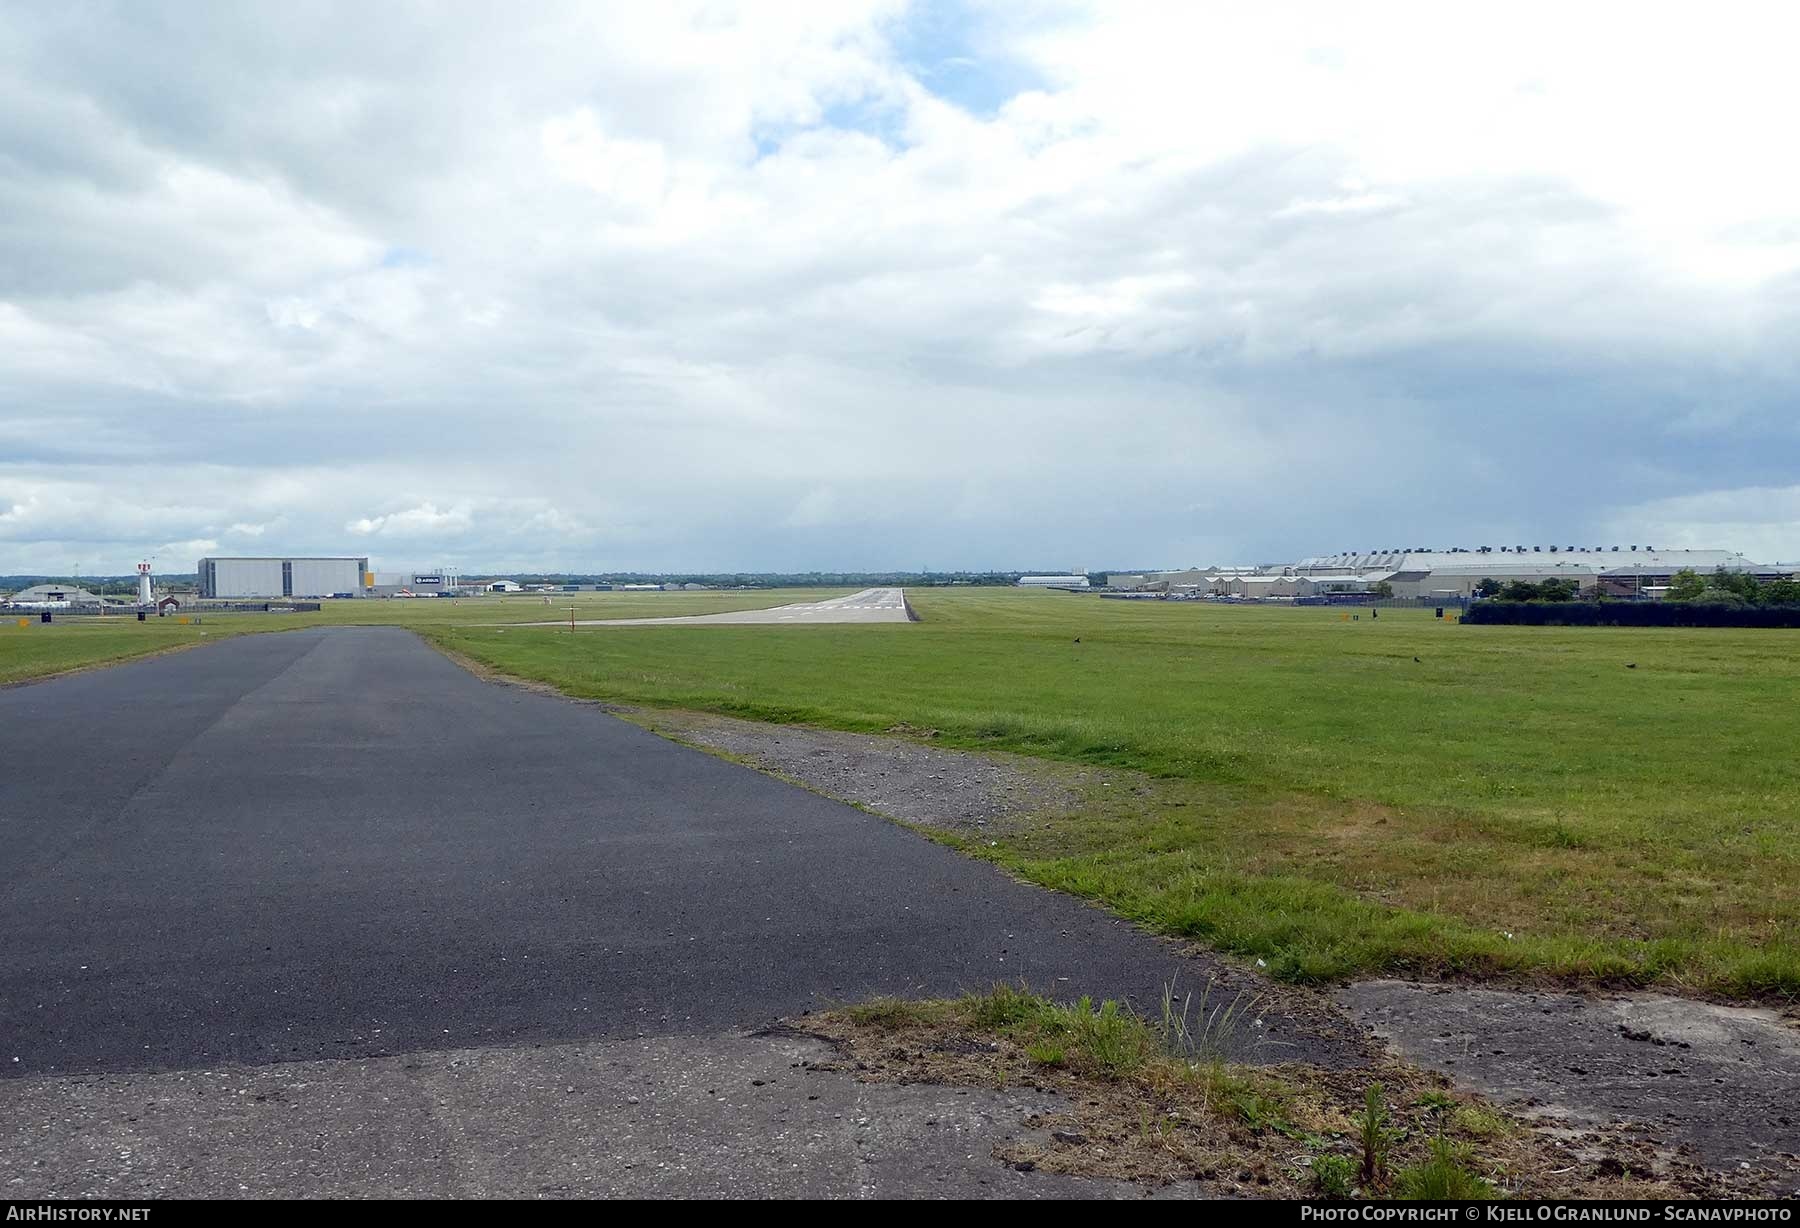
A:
(182, 620)
(24, 622)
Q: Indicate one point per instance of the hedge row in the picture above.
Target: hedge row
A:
(1629, 614)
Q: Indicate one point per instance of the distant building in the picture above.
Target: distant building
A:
(1189, 579)
(223, 579)
(504, 586)
(1262, 587)
(1620, 571)
(1053, 581)
(1322, 585)
(55, 594)
(415, 582)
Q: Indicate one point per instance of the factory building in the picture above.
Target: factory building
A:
(1330, 585)
(1070, 581)
(263, 578)
(1259, 587)
(1189, 580)
(416, 582)
(1617, 571)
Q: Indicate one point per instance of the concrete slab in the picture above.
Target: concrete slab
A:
(734, 1115)
(1723, 1080)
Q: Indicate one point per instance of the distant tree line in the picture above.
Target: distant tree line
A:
(1524, 590)
(1726, 588)
(1732, 588)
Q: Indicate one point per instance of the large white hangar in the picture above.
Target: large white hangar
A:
(231, 579)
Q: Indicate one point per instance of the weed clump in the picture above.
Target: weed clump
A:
(1444, 1176)
(1333, 1176)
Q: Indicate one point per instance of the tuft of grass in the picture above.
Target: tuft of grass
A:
(1562, 836)
(1332, 1176)
(1444, 1176)
(1212, 1033)
(1479, 1121)
(1258, 1111)
(1104, 1040)
(891, 1012)
(1114, 1041)
(1003, 1007)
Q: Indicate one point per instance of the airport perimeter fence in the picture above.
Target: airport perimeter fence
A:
(186, 611)
(1362, 602)
(1628, 614)
(1351, 601)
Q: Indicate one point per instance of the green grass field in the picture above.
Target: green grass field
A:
(1516, 801)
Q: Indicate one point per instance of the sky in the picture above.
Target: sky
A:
(865, 285)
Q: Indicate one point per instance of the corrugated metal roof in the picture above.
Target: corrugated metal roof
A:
(1592, 560)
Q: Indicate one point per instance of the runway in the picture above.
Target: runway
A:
(872, 605)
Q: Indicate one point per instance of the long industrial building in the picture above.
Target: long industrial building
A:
(262, 578)
(1618, 571)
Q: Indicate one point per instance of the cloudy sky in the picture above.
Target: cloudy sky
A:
(786, 285)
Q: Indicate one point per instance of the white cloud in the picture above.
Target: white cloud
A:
(425, 520)
(1761, 521)
(632, 175)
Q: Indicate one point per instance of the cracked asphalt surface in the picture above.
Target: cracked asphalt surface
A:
(336, 844)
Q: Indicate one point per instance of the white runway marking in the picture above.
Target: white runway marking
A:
(872, 605)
